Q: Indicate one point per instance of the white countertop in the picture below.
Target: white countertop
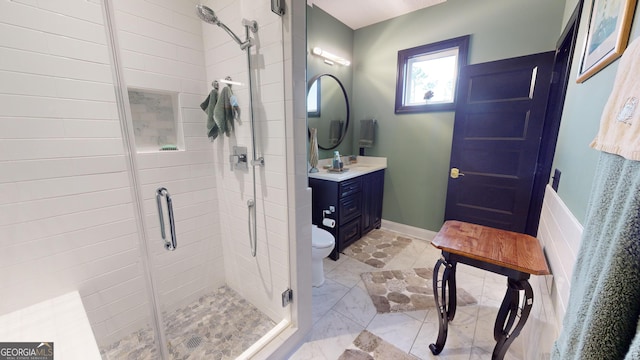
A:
(60, 320)
(365, 165)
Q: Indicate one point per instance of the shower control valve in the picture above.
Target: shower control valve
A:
(238, 159)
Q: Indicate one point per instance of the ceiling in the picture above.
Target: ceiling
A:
(360, 13)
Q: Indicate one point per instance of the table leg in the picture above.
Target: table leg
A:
(504, 331)
(444, 293)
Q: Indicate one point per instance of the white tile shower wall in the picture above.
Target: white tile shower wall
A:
(65, 203)
(162, 48)
(560, 234)
(262, 279)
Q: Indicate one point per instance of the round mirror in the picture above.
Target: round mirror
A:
(328, 110)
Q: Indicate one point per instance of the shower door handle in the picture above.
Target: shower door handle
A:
(169, 245)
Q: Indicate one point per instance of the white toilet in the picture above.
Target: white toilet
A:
(322, 243)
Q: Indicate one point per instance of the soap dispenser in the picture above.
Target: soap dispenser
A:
(336, 160)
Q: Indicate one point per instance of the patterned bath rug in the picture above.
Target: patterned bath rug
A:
(406, 290)
(377, 247)
(370, 347)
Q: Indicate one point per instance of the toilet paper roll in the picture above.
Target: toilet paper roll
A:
(329, 222)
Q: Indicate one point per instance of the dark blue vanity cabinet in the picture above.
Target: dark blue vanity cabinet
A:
(356, 204)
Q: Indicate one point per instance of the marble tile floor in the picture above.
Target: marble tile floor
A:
(218, 325)
(342, 309)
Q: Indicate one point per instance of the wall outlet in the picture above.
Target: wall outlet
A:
(555, 179)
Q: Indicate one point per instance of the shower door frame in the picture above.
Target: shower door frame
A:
(128, 140)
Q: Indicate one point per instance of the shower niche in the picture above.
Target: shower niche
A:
(156, 119)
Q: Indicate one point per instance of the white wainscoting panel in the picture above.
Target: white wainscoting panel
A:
(559, 232)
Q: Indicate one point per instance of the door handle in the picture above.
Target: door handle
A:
(169, 245)
(455, 173)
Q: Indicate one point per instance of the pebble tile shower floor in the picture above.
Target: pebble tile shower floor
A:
(219, 325)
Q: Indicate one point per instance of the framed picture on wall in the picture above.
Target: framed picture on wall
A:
(607, 37)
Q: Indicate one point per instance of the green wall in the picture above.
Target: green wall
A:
(328, 33)
(580, 121)
(418, 146)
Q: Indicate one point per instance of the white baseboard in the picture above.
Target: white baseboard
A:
(409, 230)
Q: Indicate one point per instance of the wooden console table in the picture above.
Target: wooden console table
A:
(514, 255)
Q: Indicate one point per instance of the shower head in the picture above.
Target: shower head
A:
(207, 15)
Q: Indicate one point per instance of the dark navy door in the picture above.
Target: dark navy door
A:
(497, 135)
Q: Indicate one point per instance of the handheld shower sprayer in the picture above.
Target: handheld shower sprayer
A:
(209, 16)
(206, 14)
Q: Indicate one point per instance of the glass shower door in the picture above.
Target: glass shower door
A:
(212, 298)
(201, 316)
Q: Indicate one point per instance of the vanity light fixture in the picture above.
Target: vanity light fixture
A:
(330, 58)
